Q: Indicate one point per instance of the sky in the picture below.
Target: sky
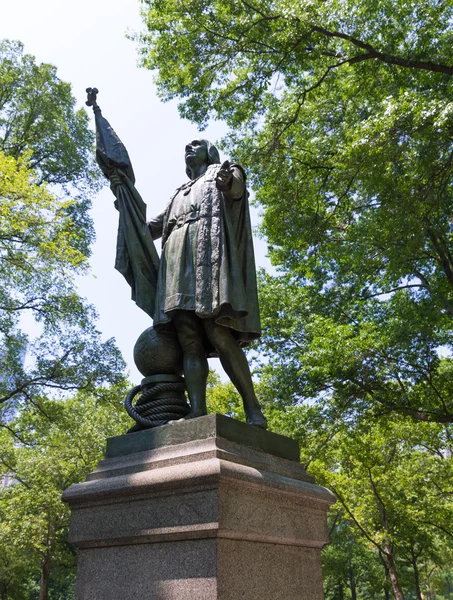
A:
(86, 41)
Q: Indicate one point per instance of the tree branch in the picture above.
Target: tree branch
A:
(396, 289)
(384, 57)
(359, 526)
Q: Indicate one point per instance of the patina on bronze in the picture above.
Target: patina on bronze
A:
(203, 287)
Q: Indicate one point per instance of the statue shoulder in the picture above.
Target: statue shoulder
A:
(212, 169)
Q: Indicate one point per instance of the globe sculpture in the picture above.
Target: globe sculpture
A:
(158, 357)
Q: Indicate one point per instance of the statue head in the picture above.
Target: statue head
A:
(199, 154)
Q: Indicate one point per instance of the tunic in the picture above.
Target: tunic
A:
(177, 272)
(207, 263)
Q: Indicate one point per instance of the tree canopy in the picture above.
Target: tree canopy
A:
(48, 335)
(341, 113)
(42, 452)
(38, 114)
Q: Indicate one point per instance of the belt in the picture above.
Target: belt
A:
(183, 219)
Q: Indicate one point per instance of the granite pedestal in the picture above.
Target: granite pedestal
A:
(199, 510)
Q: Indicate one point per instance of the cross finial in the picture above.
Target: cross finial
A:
(91, 97)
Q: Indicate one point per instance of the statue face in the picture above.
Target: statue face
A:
(196, 152)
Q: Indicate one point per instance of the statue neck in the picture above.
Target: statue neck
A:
(197, 170)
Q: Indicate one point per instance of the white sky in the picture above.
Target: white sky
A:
(86, 41)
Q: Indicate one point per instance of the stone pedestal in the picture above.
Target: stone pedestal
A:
(199, 510)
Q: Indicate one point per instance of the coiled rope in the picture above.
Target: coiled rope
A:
(152, 412)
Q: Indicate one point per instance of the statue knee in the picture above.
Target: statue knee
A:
(191, 344)
(189, 332)
(219, 336)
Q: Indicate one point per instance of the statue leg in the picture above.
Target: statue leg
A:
(190, 335)
(237, 368)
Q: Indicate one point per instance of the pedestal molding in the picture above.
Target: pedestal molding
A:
(194, 452)
(196, 532)
(187, 476)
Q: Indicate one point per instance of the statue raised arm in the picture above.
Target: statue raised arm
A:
(136, 256)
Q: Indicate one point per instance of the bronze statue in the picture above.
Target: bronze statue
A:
(204, 284)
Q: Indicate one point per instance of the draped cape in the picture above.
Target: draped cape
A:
(136, 256)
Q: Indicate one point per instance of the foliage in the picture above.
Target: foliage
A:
(45, 233)
(37, 114)
(349, 565)
(391, 526)
(47, 450)
(39, 260)
(341, 113)
(400, 500)
(223, 398)
(49, 344)
(224, 57)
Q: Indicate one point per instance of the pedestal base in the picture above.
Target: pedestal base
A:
(199, 510)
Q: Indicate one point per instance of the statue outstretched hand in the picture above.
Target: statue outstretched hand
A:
(224, 177)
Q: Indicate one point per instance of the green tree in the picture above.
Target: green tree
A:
(38, 113)
(223, 57)
(223, 398)
(39, 260)
(391, 480)
(391, 526)
(45, 450)
(351, 569)
(46, 179)
(341, 113)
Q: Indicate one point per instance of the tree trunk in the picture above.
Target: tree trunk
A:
(45, 574)
(387, 549)
(397, 591)
(418, 591)
(352, 581)
(387, 577)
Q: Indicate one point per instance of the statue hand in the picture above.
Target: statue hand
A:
(115, 181)
(224, 177)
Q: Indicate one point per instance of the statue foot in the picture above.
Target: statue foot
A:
(255, 417)
(136, 427)
(192, 415)
(195, 413)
